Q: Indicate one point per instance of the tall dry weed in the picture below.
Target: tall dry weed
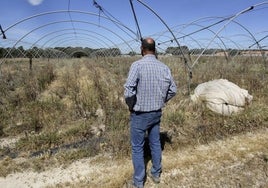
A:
(61, 102)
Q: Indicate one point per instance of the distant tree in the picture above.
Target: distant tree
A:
(177, 51)
(132, 53)
(234, 52)
(3, 52)
(79, 54)
(114, 51)
(21, 51)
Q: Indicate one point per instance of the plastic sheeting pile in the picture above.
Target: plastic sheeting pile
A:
(222, 96)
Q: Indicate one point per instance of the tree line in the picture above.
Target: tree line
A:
(196, 51)
(78, 52)
(57, 52)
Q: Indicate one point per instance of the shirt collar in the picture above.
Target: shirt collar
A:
(149, 55)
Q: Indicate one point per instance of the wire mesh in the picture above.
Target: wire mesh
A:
(97, 32)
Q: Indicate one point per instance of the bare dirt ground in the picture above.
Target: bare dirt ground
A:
(239, 161)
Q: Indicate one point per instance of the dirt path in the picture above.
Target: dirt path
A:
(240, 161)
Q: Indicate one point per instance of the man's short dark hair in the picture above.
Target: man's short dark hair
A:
(148, 45)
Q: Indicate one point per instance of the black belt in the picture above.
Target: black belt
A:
(141, 112)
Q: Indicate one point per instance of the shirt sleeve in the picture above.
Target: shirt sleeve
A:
(172, 90)
(131, 87)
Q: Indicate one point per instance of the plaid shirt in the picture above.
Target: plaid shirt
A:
(149, 85)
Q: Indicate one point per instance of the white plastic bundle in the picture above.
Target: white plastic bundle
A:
(222, 96)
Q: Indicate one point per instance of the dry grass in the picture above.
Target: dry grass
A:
(73, 109)
(238, 161)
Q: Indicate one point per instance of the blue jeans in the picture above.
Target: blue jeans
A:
(142, 122)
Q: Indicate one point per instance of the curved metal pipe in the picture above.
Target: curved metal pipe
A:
(77, 35)
(67, 29)
(69, 39)
(189, 68)
(68, 11)
(62, 41)
(64, 21)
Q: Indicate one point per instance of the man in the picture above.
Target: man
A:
(148, 87)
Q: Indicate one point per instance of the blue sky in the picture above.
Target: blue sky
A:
(92, 30)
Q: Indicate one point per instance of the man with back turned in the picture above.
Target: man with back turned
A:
(148, 87)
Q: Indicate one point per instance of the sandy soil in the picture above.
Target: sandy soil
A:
(239, 161)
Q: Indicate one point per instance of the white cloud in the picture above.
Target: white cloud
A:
(35, 2)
